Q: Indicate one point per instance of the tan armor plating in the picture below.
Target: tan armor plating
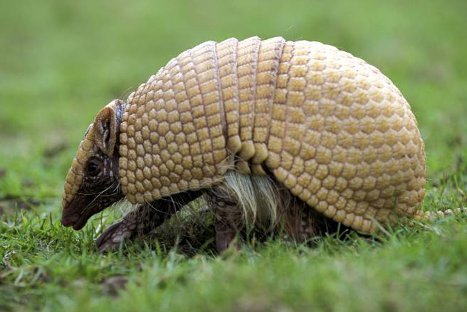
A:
(331, 128)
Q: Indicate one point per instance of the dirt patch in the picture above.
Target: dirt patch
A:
(112, 285)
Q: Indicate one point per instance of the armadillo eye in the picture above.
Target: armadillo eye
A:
(93, 168)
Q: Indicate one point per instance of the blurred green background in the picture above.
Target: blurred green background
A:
(61, 61)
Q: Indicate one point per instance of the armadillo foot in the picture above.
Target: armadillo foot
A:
(115, 235)
(226, 237)
(136, 223)
(228, 218)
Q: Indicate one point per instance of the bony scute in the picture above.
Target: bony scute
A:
(281, 132)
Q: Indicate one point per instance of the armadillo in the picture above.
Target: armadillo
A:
(315, 121)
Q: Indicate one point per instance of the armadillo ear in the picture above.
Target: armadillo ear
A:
(105, 130)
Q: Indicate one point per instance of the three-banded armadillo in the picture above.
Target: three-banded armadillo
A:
(327, 127)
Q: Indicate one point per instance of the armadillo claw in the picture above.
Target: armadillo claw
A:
(114, 236)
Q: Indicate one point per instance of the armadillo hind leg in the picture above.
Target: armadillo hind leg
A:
(302, 225)
(142, 220)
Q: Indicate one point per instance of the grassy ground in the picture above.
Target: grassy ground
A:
(61, 61)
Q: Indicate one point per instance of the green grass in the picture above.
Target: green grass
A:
(61, 61)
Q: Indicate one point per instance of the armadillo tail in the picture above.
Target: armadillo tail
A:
(434, 215)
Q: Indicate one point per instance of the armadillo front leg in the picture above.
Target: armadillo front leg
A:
(143, 220)
(229, 219)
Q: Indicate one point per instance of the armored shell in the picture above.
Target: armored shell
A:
(328, 126)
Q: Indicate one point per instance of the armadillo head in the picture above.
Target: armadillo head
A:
(92, 182)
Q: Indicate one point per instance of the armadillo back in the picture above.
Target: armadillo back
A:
(331, 128)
